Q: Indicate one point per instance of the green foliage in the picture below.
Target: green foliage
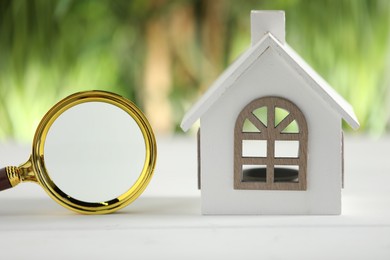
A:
(49, 49)
(348, 43)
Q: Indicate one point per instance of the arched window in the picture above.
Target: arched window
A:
(270, 146)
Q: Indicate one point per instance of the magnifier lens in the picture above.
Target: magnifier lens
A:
(94, 152)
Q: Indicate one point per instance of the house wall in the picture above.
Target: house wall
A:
(271, 76)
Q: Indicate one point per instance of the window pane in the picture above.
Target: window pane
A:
(261, 114)
(248, 127)
(280, 114)
(254, 148)
(286, 173)
(254, 173)
(287, 149)
(291, 128)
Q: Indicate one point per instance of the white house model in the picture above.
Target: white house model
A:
(271, 139)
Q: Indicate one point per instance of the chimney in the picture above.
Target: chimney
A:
(263, 22)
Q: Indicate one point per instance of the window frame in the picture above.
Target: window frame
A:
(270, 133)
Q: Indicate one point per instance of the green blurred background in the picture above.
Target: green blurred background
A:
(164, 54)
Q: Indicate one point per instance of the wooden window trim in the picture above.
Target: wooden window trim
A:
(270, 133)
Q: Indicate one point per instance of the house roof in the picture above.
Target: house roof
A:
(237, 68)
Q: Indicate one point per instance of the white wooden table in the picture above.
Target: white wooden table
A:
(165, 222)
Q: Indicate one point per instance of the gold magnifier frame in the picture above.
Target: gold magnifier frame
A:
(34, 169)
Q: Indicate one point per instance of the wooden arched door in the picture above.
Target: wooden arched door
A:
(275, 130)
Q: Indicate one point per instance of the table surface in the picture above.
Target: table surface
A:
(165, 222)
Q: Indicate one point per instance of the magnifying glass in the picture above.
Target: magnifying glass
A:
(94, 152)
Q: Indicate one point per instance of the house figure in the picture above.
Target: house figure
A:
(270, 139)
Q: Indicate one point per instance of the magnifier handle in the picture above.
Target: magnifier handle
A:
(9, 177)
